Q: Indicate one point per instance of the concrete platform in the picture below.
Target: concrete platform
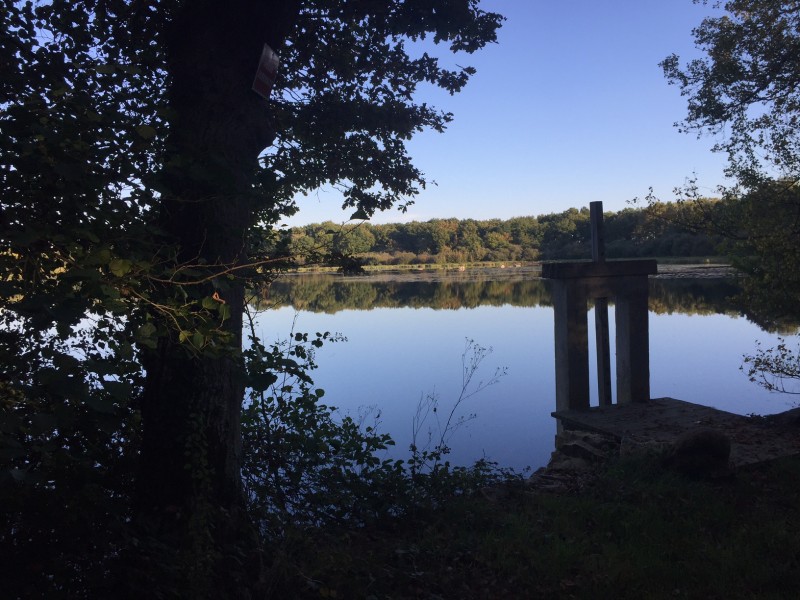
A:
(753, 439)
(589, 269)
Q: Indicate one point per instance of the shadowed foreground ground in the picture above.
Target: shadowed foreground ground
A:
(635, 531)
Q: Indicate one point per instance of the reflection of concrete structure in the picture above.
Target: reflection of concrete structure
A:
(574, 284)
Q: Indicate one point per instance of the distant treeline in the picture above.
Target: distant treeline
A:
(632, 232)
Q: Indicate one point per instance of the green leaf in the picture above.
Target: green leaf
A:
(100, 257)
(224, 311)
(147, 330)
(120, 267)
(65, 362)
(262, 381)
(111, 293)
(209, 303)
(359, 215)
(198, 339)
(184, 335)
(125, 350)
(146, 132)
(118, 389)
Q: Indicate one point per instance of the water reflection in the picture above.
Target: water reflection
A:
(453, 291)
(406, 337)
(330, 294)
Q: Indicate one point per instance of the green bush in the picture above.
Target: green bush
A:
(307, 466)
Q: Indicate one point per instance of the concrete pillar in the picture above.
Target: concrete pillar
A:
(602, 345)
(633, 344)
(573, 284)
(571, 345)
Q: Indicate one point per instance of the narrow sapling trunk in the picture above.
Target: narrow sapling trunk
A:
(189, 501)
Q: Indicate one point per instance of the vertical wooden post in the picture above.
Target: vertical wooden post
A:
(571, 345)
(602, 343)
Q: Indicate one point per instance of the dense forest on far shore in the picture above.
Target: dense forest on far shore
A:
(664, 229)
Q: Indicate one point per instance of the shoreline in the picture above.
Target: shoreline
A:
(501, 271)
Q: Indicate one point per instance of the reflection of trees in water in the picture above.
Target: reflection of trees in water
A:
(693, 296)
(320, 293)
(331, 293)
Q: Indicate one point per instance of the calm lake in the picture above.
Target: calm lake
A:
(406, 336)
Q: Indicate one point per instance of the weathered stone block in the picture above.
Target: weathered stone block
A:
(701, 452)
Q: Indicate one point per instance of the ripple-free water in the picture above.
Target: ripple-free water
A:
(395, 356)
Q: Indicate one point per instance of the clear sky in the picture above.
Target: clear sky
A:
(569, 106)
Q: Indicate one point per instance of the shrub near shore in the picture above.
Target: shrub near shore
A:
(637, 532)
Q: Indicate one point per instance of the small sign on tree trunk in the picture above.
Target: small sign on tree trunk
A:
(266, 73)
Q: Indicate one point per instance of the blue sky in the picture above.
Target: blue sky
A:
(569, 107)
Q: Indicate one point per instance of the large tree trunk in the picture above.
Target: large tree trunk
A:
(189, 500)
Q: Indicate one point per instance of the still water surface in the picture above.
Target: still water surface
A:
(406, 338)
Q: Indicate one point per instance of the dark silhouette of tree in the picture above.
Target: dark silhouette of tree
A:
(745, 88)
(746, 91)
(141, 175)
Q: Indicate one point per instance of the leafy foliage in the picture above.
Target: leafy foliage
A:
(302, 465)
(632, 232)
(745, 89)
(308, 467)
(767, 247)
(135, 211)
(775, 369)
(71, 253)
(345, 108)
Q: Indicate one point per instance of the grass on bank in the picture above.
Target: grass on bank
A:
(637, 532)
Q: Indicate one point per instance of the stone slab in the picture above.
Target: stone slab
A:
(662, 420)
(611, 268)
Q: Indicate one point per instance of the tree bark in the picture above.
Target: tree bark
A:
(189, 500)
